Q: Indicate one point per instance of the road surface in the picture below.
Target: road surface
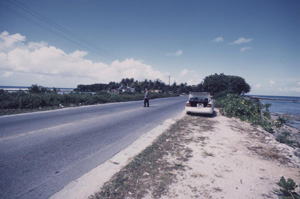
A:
(41, 152)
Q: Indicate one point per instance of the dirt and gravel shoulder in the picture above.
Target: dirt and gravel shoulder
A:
(203, 157)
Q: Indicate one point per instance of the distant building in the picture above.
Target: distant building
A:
(155, 91)
(115, 91)
(63, 90)
(126, 89)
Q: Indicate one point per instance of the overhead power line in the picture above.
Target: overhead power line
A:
(9, 36)
(54, 27)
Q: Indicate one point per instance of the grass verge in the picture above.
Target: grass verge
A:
(151, 172)
(21, 102)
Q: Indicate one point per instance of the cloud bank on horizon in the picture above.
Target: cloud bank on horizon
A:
(41, 59)
(24, 63)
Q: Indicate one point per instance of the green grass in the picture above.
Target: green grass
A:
(20, 102)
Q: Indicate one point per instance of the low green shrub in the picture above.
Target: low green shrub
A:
(280, 121)
(247, 109)
(285, 138)
(287, 189)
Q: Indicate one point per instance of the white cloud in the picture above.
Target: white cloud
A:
(295, 89)
(242, 40)
(44, 60)
(290, 89)
(218, 39)
(184, 72)
(285, 87)
(257, 86)
(7, 74)
(272, 82)
(243, 49)
(175, 54)
(9, 40)
(189, 76)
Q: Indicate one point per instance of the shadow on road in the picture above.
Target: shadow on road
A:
(153, 106)
(203, 115)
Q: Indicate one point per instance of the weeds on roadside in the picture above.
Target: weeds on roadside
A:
(280, 121)
(246, 109)
(285, 138)
(287, 189)
(150, 171)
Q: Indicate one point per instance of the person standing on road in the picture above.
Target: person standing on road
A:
(146, 98)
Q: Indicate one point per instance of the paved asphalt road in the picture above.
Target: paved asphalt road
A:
(41, 152)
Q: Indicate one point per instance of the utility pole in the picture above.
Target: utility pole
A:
(169, 80)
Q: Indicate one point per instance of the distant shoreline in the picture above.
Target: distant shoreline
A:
(1, 87)
(276, 98)
(293, 117)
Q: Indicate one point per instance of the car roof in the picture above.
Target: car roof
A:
(200, 94)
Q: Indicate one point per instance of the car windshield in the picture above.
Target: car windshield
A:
(198, 99)
(199, 96)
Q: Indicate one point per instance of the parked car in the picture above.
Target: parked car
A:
(200, 102)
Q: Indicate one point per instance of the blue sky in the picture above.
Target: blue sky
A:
(258, 40)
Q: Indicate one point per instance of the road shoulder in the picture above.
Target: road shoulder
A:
(206, 157)
(92, 181)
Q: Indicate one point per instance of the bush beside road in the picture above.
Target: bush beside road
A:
(256, 113)
(20, 101)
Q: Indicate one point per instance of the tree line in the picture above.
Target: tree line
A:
(216, 84)
(139, 86)
(39, 96)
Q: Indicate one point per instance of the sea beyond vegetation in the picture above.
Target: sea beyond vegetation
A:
(284, 105)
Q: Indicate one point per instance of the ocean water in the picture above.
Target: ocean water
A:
(284, 105)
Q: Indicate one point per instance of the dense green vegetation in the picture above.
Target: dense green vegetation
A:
(216, 84)
(40, 98)
(247, 109)
(140, 86)
(221, 84)
(229, 91)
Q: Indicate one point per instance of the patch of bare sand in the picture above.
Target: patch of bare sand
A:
(233, 160)
(201, 157)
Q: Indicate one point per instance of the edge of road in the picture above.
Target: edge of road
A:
(92, 181)
(74, 107)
